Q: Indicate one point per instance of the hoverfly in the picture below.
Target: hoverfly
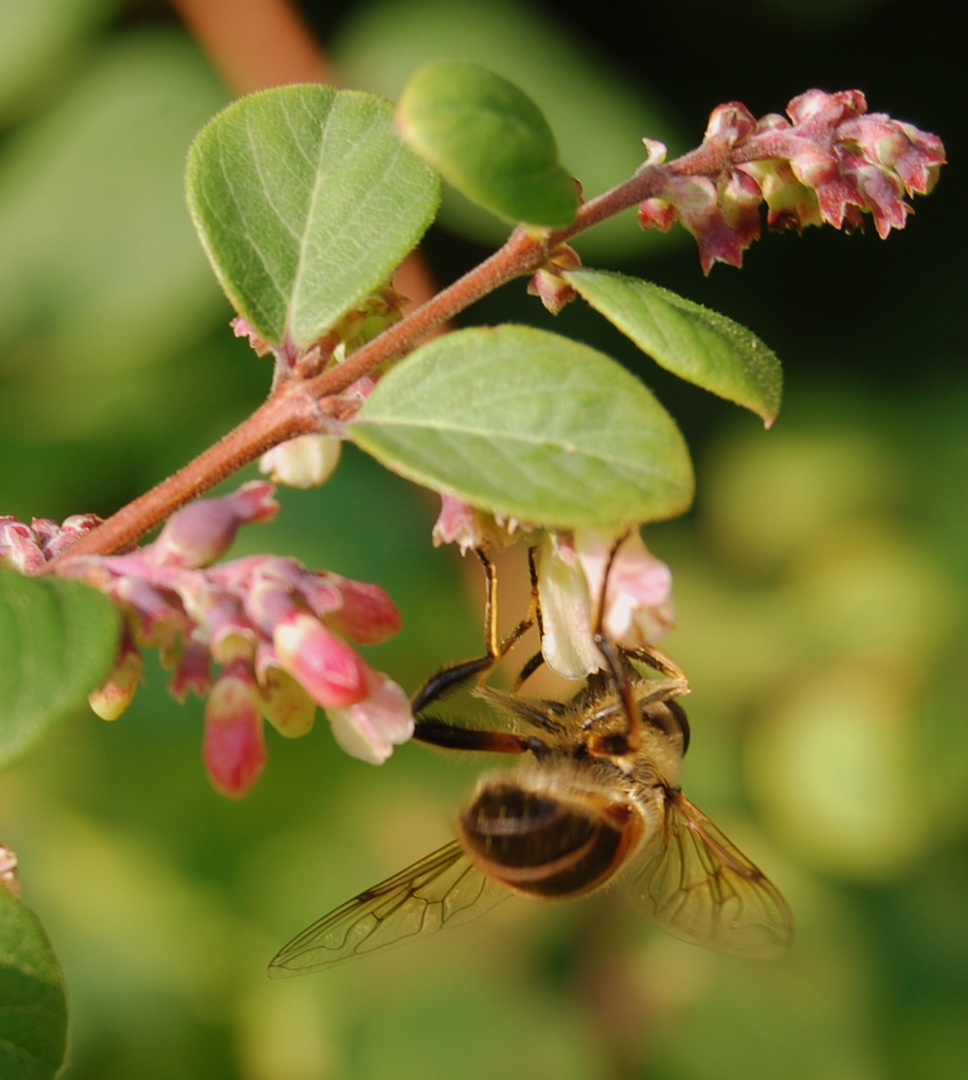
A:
(596, 793)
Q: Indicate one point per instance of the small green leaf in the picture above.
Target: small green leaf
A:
(598, 111)
(306, 200)
(530, 425)
(488, 139)
(57, 642)
(698, 345)
(33, 1005)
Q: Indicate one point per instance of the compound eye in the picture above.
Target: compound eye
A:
(542, 845)
(670, 718)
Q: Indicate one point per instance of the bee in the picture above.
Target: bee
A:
(595, 795)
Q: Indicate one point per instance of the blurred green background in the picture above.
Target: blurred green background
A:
(820, 580)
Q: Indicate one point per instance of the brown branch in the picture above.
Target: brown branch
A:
(298, 407)
(259, 43)
(255, 44)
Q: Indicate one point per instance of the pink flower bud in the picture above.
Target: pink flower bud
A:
(62, 537)
(19, 546)
(458, 522)
(203, 531)
(371, 728)
(367, 615)
(117, 692)
(8, 870)
(242, 329)
(548, 284)
(233, 748)
(220, 618)
(328, 669)
(192, 672)
(462, 524)
(285, 704)
(552, 290)
(321, 591)
(657, 214)
(156, 620)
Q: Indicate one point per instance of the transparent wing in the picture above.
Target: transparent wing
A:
(443, 889)
(695, 883)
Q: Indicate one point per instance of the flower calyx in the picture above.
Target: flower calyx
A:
(547, 283)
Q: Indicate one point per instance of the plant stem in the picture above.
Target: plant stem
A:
(299, 407)
(525, 251)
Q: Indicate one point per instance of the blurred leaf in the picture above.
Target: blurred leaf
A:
(427, 1033)
(101, 270)
(767, 500)
(38, 41)
(57, 641)
(598, 116)
(306, 200)
(698, 345)
(489, 139)
(33, 1006)
(832, 765)
(529, 425)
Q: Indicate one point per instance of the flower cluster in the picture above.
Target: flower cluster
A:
(571, 568)
(637, 597)
(28, 548)
(277, 630)
(830, 162)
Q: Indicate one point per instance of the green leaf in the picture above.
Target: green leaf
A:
(102, 277)
(306, 200)
(33, 1005)
(698, 345)
(488, 139)
(530, 425)
(39, 43)
(57, 642)
(597, 112)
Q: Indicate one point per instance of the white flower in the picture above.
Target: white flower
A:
(370, 728)
(638, 601)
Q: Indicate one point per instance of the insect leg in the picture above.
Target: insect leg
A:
(451, 676)
(534, 617)
(665, 665)
(617, 668)
(452, 737)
